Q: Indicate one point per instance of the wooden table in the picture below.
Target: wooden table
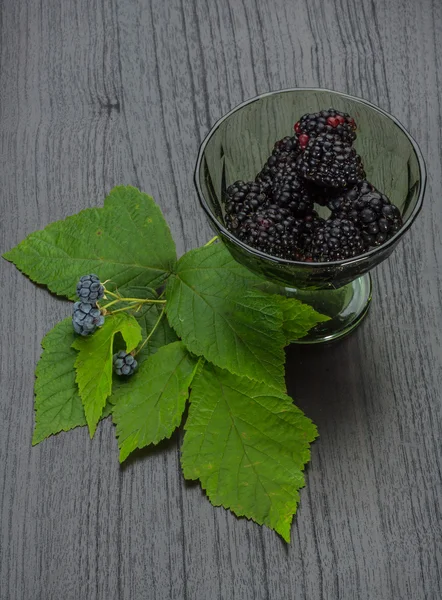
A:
(95, 94)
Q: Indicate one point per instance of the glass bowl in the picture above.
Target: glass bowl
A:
(237, 147)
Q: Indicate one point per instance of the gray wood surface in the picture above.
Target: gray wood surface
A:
(95, 93)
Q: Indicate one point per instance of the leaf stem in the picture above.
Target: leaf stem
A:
(133, 301)
(117, 295)
(154, 328)
(110, 303)
(211, 241)
(143, 301)
(114, 312)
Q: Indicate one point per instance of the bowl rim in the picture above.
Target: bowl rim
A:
(304, 264)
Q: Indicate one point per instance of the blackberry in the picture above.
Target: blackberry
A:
(89, 289)
(371, 211)
(341, 202)
(310, 225)
(289, 191)
(272, 230)
(278, 233)
(124, 364)
(86, 318)
(338, 239)
(284, 155)
(281, 181)
(326, 121)
(241, 200)
(329, 162)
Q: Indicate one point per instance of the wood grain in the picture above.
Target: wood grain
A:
(94, 94)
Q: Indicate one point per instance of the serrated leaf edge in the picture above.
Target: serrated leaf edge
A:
(286, 522)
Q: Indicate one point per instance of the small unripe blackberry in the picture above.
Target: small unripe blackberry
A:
(89, 289)
(124, 364)
(86, 318)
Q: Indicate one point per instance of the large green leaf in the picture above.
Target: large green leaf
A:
(248, 445)
(150, 409)
(126, 241)
(298, 318)
(58, 404)
(212, 307)
(94, 363)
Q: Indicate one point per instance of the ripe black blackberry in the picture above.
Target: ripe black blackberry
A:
(278, 233)
(338, 239)
(341, 201)
(242, 199)
(326, 121)
(371, 211)
(289, 191)
(329, 162)
(311, 224)
(272, 230)
(283, 157)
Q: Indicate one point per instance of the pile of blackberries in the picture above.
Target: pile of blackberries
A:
(318, 165)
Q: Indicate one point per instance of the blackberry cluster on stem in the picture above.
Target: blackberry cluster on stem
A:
(86, 316)
(317, 166)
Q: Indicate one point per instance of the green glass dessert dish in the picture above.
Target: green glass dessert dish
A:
(238, 146)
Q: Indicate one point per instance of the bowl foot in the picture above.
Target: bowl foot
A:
(347, 306)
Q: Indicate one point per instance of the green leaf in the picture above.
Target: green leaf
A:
(127, 241)
(107, 411)
(298, 318)
(150, 409)
(248, 445)
(212, 307)
(58, 404)
(94, 363)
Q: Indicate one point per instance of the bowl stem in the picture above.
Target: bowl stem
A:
(347, 306)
